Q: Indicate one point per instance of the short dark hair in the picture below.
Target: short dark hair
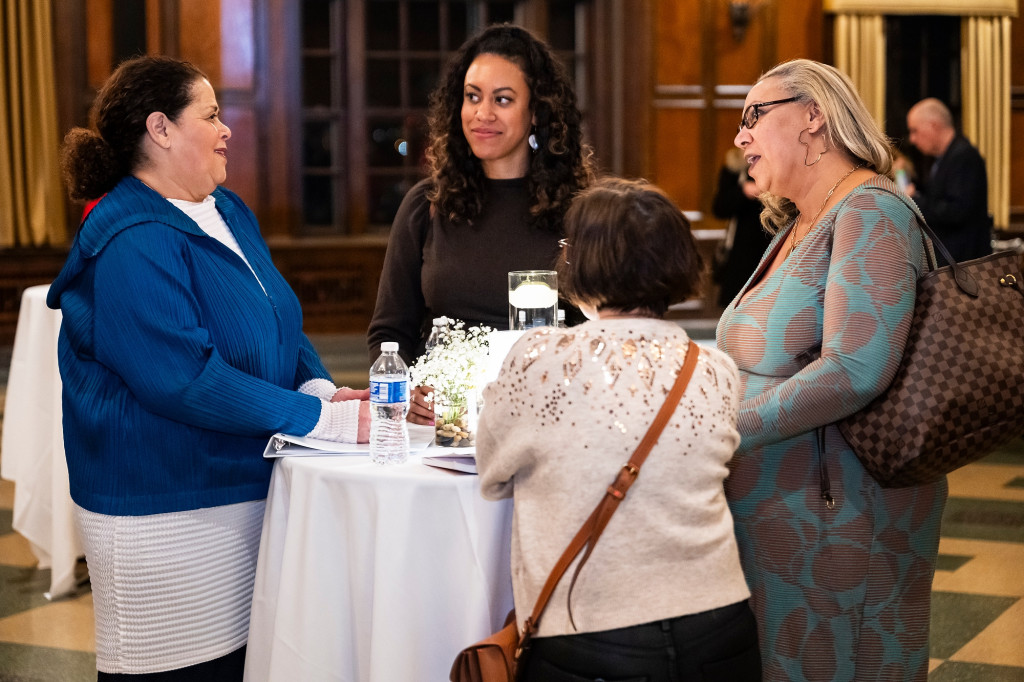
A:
(559, 167)
(628, 248)
(94, 160)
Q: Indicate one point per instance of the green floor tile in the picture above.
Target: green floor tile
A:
(23, 589)
(45, 664)
(952, 671)
(983, 519)
(957, 618)
(951, 562)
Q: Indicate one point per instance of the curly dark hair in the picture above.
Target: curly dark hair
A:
(561, 165)
(93, 160)
(628, 248)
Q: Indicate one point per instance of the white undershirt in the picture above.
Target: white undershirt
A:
(209, 220)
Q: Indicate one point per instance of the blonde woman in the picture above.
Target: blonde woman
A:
(839, 568)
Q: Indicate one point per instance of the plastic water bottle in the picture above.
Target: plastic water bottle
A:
(389, 403)
(436, 334)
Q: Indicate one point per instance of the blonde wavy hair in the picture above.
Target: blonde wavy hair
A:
(848, 125)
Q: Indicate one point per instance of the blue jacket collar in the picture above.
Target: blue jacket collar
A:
(130, 203)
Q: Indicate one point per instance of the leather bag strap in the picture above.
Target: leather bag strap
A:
(964, 280)
(591, 530)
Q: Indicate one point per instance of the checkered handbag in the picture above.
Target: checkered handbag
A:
(959, 390)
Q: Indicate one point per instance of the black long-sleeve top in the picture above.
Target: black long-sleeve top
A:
(434, 267)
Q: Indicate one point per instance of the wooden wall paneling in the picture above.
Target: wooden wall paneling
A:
(620, 83)
(678, 42)
(199, 38)
(1017, 166)
(278, 70)
(1017, 125)
(799, 30)
(604, 132)
(238, 44)
(244, 159)
(358, 136)
(71, 75)
(19, 269)
(677, 142)
(337, 286)
(738, 62)
(638, 62)
(675, 138)
(99, 26)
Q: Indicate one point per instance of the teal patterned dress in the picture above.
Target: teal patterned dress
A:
(844, 593)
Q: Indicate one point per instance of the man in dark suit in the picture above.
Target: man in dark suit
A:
(954, 197)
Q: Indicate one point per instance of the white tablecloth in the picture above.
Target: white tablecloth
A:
(375, 573)
(33, 443)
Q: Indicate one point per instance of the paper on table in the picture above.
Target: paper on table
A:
(286, 445)
(465, 463)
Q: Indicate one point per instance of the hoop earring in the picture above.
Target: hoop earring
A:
(807, 151)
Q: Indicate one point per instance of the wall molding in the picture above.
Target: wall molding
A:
(965, 8)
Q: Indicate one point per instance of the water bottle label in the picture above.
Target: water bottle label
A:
(389, 391)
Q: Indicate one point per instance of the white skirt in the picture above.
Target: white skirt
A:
(171, 590)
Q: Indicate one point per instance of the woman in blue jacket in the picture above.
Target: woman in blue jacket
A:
(181, 352)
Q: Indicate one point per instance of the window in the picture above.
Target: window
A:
(368, 68)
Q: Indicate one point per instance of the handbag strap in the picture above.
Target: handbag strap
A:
(591, 530)
(964, 280)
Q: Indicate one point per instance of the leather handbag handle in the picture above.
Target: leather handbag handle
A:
(591, 530)
(964, 280)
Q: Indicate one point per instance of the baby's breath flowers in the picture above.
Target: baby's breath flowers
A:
(453, 369)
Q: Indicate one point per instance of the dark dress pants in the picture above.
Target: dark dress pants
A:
(717, 645)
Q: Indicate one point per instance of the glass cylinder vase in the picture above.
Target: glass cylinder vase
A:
(455, 419)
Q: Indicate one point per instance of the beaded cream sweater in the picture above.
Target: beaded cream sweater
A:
(565, 413)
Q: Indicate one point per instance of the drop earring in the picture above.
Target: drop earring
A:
(532, 141)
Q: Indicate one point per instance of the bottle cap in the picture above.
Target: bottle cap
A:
(389, 347)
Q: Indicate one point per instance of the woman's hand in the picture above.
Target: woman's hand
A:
(421, 405)
(363, 430)
(363, 396)
(346, 393)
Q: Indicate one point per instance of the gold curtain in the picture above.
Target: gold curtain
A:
(31, 195)
(860, 54)
(985, 58)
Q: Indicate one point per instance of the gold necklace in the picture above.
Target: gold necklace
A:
(795, 242)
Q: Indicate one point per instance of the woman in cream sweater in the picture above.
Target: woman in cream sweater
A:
(663, 596)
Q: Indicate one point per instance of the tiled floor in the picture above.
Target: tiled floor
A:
(977, 598)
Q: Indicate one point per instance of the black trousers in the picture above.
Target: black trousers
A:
(227, 668)
(717, 645)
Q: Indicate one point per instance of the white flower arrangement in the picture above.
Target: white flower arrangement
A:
(453, 368)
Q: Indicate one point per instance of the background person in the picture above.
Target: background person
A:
(736, 200)
(506, 154)
(954, 195)
(181, 352)
(662, 597)
(817, 334)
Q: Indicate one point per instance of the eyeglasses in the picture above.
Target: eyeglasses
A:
(752, 112)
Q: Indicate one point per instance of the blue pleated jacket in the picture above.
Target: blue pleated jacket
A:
(176, 365)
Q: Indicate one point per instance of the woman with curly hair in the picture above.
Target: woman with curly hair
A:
(506, 154)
